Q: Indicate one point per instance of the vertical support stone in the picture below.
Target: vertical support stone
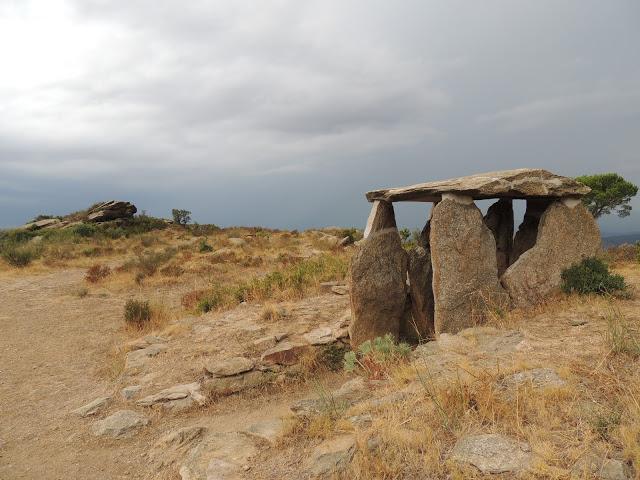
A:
(465, 273)
(419, 325)
(528, 230)
(378, 278)
(381, 217)
(567, 233)
(499, 219)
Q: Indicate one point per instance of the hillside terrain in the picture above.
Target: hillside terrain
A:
(236, 370)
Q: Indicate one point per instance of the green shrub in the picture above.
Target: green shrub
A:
(18, 255)
(84, 230)
(375, 357)
(204, 247)
(591, 276)
(137, 313)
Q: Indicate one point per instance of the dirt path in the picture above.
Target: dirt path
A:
(52, 347)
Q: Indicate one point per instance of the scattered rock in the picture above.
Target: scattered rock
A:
(269, 430)
(492, 453)
(130, 392)
(138, 358)
(537, 377)
(176, 397)
(219, 456)
(463, 290)
(378, 277)
(265, 343)
(577, 322)
(319, 336)
(361, 421)
(112, 210)
(229, 366)
(332, 456)
(285, 353)
(340, 289)
(601, 468)
(171, 446)
(228, 385)
(123, 423)
(93, 407)
(325, 287)
(349, 393)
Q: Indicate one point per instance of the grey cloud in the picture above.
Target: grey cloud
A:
(294, 109)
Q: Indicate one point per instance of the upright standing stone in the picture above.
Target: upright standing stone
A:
(528, 230)
(378, 278)
(419, 325)
(567, 233)
(465, 274)
(499, 219)
(381, 217)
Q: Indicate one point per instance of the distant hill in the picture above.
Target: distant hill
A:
(612, 241)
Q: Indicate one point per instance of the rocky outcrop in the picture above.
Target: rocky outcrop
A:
(465, 275)
(493, 453)
(219, 456)
(567, 233)
(123, 423)
(378, 276)
(528, 230)
(420, 325)
(111, 210)
(519, 183)
(499, 219)
(93, 407)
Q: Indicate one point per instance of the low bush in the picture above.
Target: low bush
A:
(204, 247)
(373, 358)
(19, 255)
(591, 276)
(137, 313)
(97, 272)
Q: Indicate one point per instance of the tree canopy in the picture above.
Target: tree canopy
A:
(609, 193)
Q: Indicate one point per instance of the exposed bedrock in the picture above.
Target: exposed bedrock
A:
(419, 324)
(378, 278)
(499, 219)
(465, 274)
(528, 230)
(567, 233)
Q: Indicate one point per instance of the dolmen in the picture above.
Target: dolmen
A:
(467, 266)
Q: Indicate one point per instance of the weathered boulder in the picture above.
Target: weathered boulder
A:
(594, 466)
(381, 217)
(138, 358)
(222, 386)
(269, 430)
(499, 219)
(536, 377)
(219, 456)
(111, 210)
(332, 456)
(92, 408)
(420, 325)
(567, 233)
(178, 397)
(378, 277)
(319, 336)
(493, 453)
(465, 274)
(528, 230)
(519, 183)
(285, 353)
(123, 423)
(172, 446)
(229, 366)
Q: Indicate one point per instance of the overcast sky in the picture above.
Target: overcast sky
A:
(283, 113)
